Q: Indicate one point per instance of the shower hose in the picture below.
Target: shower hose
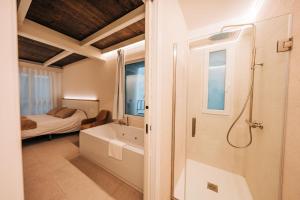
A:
(250, 94)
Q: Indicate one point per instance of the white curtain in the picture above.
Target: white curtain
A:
(40, 90)
(118, 110)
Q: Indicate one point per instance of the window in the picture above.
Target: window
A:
(134, 88)
(24, 93)
(35, 95)
(216, 93)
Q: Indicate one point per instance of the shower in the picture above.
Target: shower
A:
(223, 34)
(228, 132)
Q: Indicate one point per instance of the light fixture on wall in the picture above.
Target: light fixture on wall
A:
(91, 98)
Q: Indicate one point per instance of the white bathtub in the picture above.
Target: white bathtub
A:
(94, 146)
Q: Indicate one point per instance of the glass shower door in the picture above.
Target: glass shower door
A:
(218, 85)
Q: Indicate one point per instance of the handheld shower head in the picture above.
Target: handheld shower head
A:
(251, 123)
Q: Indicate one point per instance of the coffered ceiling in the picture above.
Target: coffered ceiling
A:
(60, 32)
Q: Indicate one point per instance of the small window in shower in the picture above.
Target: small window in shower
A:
(216, 81)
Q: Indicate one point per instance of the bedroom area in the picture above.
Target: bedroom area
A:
(82, 98)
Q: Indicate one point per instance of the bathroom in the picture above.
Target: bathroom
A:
(206, 89)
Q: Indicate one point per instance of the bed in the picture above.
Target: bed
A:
(48, 124)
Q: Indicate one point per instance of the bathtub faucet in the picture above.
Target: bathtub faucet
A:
(123, 122)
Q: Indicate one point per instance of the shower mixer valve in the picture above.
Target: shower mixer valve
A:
(255, 124)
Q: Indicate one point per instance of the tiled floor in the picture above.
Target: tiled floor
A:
(53, 170)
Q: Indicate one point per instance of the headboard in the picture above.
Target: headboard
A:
(91, 107)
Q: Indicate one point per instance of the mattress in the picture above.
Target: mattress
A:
(47, 124)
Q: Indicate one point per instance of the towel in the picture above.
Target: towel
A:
(115, 149)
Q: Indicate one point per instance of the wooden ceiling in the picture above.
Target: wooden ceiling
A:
(77, 19)
(35, 51)
(131, 31)
(69, 59)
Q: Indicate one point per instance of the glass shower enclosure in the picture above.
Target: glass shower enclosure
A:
(218, 82)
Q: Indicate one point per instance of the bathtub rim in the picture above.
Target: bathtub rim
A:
(129, 146)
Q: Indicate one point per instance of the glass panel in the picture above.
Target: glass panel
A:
(216, 80)
(134, 89)
(210, 168)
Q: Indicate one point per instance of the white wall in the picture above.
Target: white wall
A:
(82, 79)
(171, 28)
(91, 78)
(201, 13)
(209, 146)
(11, 176)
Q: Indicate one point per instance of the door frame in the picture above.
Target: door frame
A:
(151, 192)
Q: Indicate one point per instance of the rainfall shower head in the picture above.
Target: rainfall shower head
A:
(221, 36)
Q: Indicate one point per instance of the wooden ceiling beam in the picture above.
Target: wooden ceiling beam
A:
(37, 32)
(57, 58)
(22, 10)
(40, 33)
(121, 23)
(124, 43)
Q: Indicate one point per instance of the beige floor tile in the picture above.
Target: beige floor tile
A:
(125, 192)
(76, 185)
(43, 188)
(53, 170)
(102, 178)
(53, 162)
(35, 171)
(29, 160)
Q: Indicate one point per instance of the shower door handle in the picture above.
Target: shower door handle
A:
(194, 126)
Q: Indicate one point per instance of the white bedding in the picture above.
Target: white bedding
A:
(47, 124)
